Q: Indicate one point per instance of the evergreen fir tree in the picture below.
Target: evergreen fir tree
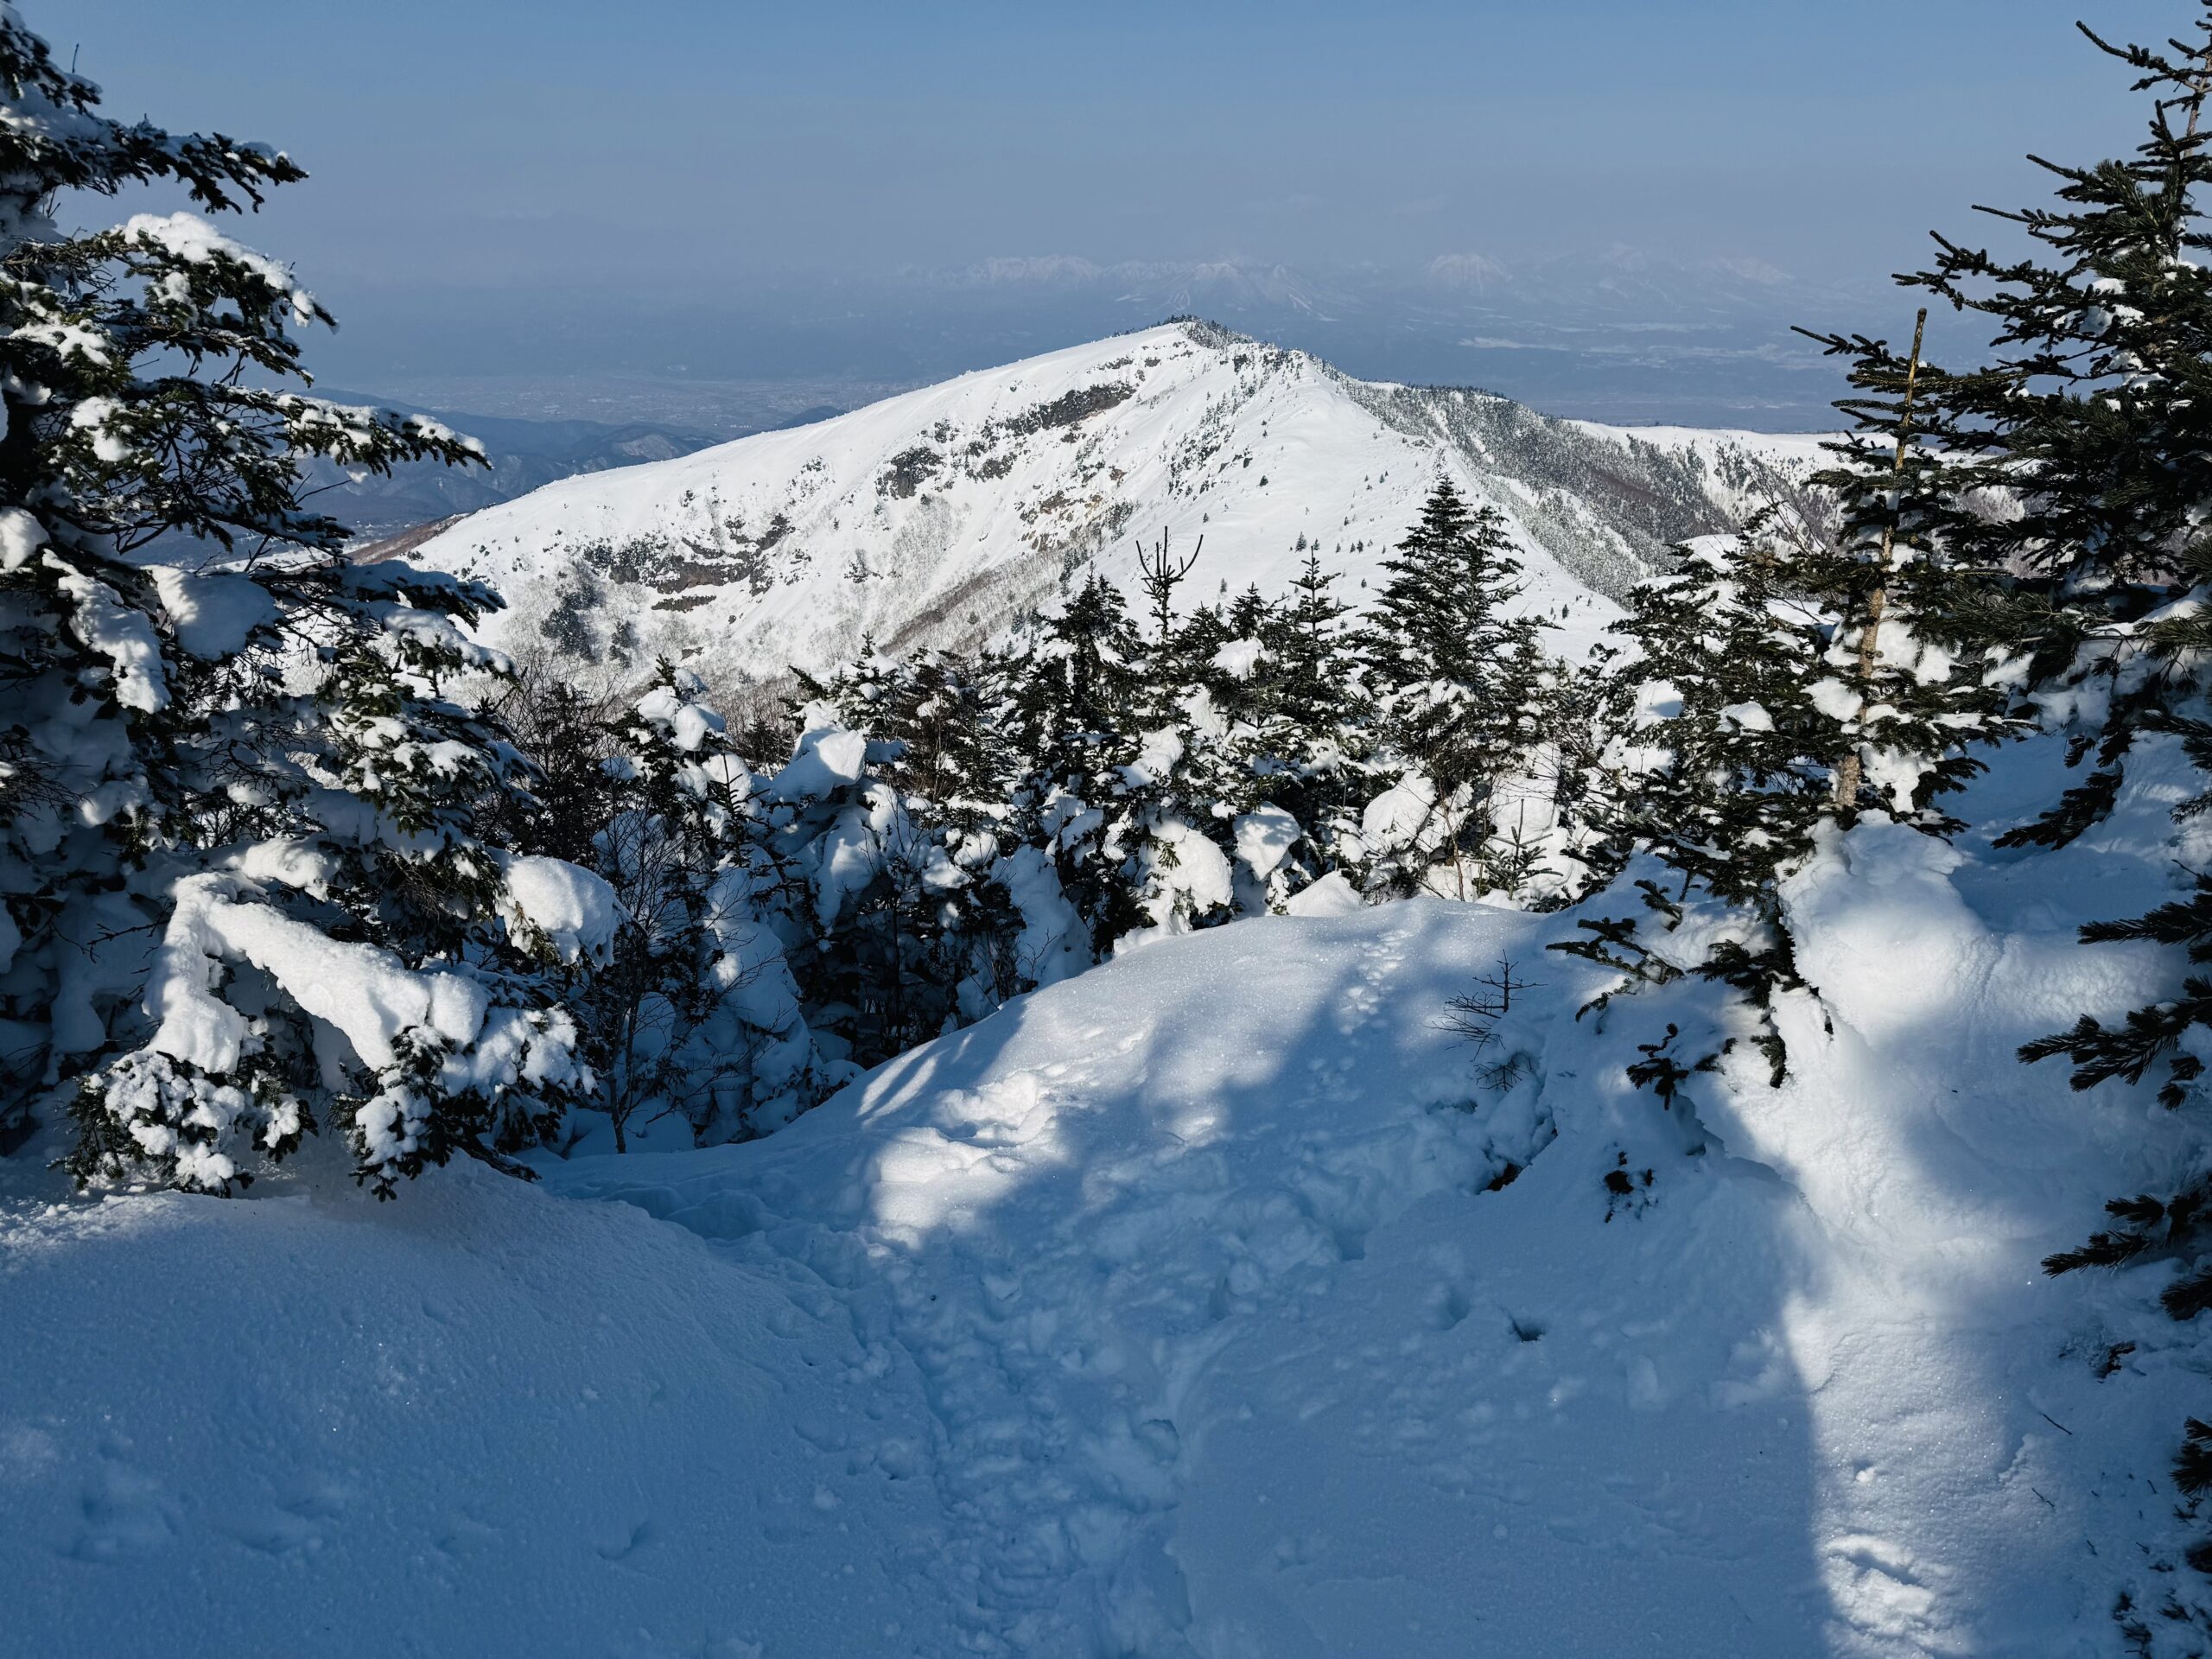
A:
(1908, 674)
(1731, 770)
(1228, 653)
(1312, 747)
(1451, 674)
(1780, 684)
(570, 734)
(660, 1016)
(221, 737)
(948, 716)
(957, 768)
(2094, 415)
(1313, 677)
(1176, 793)
(2091, 423)
(1081, 703)
(905, 928)
(1250, 613)
(2086, 425)
(1740, 759)
(2092, 420)
(1200, 640)
(1580, 712)
(1091, 674)
(830, 828)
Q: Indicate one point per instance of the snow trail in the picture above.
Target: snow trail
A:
(1236, 1343)
(1064, 1250)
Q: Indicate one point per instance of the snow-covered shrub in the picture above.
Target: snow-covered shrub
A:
(910, 927)
(697, 1013)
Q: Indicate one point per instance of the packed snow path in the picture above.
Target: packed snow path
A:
(1064, 1217)
(1230, 1348)
(1181, 1310)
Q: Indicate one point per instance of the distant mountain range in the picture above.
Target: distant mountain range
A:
(1615, 334)
(951, 515)
(1603, 285)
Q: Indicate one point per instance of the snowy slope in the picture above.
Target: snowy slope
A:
(938, 518)
(481, 1421)
(1180, 1309)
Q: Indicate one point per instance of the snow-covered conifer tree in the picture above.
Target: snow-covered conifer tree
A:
(245, 786)
(695, 1012)
(1737, 754)
(1183, 783)
(1078, 702)
(1729, 770)
(1907, 676)
(2080, 462)
(2076, 471)
(1456, 678)
(1313, 738)
(1779, 683)
(950, 717)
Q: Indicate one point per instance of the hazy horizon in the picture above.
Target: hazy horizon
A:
(568, 202)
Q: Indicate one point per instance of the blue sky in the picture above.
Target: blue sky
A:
(494, 141)
(553, 185)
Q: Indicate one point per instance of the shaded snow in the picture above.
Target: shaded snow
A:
(1219, 1301)
(481, 1420)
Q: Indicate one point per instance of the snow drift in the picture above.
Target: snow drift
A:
(1220, 1301)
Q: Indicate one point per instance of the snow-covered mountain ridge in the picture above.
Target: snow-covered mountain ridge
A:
(941, 518)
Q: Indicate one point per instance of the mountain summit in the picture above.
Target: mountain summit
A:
(948, 516)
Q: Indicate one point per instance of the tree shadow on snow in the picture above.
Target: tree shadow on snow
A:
(1236, 1343)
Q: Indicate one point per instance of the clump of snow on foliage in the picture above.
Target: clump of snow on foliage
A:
(212, 614)
(572, 909)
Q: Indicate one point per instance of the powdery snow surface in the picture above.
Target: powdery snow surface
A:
(1177, 1309)
(479, 1421)
(938, 518)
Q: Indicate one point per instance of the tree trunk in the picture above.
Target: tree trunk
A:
(1850, 773)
